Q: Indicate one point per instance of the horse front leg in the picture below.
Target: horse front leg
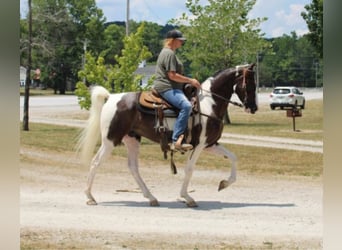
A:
(220, 150)
(188, 170)
(133, 145)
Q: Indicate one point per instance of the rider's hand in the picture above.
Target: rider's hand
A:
(194, 82)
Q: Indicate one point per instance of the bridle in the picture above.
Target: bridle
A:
(244, 85)
(244, 88)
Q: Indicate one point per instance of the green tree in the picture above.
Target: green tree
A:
(314, 19)
(113, 42)
(220, 35)
(60, 29)
(94, 72)
(52, 29)
(290, 61)
(152, 37)
(133, 53)
(117, 78)
(89, 22)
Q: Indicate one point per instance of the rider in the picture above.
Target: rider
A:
(169, 84)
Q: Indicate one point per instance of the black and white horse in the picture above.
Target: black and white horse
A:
(117, 119)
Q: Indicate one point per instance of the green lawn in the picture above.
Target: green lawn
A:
(267, 122)
(256, 160)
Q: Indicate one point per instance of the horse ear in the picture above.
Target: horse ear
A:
(251, 66)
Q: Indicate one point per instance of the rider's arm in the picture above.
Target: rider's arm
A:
(183, 79)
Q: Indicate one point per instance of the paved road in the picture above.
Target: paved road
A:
(53, 110)
(273, 142)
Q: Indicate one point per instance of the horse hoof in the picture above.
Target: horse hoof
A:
(192, 204)
(223, 184)
(91, 202)
(154, 203)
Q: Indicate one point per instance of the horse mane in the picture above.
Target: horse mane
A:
(221, 71)
(237, 67)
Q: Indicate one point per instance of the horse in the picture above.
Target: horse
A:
(117, 119)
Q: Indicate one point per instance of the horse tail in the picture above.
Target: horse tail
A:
(91, 133)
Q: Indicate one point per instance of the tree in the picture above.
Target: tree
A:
(59, 32)
(117, 78)
(220, 35)
(51, 31)
(152, 37)
(314, 19)
(133, 53)
(94, 72)
(290, 61)
(113, 42)
(28, 71)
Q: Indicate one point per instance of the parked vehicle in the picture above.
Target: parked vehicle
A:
(287, 97)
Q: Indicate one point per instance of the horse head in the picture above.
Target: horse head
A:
(246, 87)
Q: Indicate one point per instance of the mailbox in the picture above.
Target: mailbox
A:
(294, 113)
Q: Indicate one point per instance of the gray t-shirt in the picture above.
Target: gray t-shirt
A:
(167, 61)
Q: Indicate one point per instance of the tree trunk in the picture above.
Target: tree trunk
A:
(28, 73)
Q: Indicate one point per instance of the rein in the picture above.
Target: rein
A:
(223, 98)
(226, 99)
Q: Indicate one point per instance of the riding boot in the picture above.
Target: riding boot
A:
(178, 145)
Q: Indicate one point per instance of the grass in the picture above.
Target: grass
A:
(256, 160)
(50, 137)
(267, 122)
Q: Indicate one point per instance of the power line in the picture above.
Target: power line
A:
(151, 10)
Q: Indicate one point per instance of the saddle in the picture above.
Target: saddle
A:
(152, 103)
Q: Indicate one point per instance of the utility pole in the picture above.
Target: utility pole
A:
(257, 72)
(127, 19)
(28, 72)
(85, 43)
(316, 72)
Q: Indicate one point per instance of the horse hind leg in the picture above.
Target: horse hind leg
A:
(133, 145)
(220, 150)
(104, 150)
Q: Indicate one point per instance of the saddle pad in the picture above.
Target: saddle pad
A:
(166, 112)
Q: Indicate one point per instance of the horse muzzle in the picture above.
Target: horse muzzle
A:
(251, 109)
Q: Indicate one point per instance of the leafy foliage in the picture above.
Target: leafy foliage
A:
(94, 72)
(291, 60)
(117, 78)
(314, 19)
(220, 35)
(133, 53)
(60, 29)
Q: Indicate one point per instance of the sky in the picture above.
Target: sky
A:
(283, 15)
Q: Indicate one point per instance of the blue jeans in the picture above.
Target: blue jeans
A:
(177, 98)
